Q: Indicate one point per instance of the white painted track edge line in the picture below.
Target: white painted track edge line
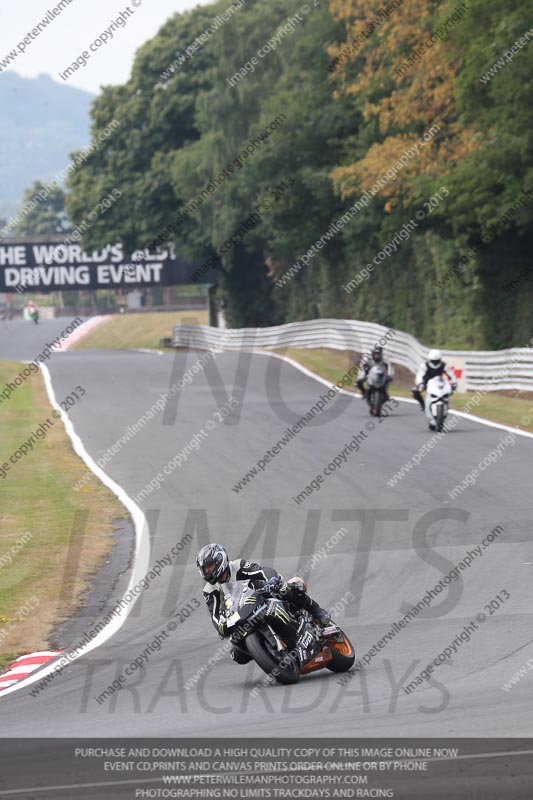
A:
(147, 350)
(86, 327)
(140, 559)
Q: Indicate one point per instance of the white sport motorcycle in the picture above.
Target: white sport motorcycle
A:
(438, 393)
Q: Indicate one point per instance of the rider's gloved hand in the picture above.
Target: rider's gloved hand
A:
(454, 386)
(272, 585)
(322, 616)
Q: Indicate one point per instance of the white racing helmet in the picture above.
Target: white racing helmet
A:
(435, 358)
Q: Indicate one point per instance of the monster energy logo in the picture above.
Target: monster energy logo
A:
(279, 612)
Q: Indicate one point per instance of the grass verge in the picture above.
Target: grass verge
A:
(332, 364)
(125, 331)
(51, 541)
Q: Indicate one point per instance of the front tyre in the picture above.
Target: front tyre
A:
(284, 671)
(343, 655)
(439, 419)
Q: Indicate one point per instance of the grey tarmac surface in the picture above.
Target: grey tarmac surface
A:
(399, 543)
(21, 340)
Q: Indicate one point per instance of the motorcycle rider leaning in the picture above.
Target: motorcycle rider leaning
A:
(366, 364)
(431, 368)
(222, 576)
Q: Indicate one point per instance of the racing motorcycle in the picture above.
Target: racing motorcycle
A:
(31, 314)
(376, 394)
(285, 642)
(438, 394)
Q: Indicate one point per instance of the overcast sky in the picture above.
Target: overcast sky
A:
(62, 41)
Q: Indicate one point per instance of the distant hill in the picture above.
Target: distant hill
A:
(42, 122)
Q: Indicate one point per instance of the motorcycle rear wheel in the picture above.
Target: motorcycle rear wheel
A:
(287, 674)
(343, 656)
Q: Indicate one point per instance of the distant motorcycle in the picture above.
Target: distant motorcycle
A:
(284, 641)
(31, 314)
(376, 394)
(438, 394)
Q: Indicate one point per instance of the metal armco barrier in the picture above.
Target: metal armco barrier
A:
(479, 369)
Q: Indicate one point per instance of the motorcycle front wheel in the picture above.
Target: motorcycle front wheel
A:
(284, 671)
(440, 418)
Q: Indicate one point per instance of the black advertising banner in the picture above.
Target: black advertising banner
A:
(50, 265)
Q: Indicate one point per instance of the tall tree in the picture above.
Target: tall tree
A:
(246, 155)
(44, 211)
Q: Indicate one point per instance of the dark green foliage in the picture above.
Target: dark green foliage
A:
(178, 133)
(45, 211)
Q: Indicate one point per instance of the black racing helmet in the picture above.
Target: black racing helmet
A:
(377, 353)
(213, 563)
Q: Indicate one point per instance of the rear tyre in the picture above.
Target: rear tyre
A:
(288, 672)
(343, 656)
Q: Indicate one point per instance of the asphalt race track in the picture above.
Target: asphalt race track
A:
(23, 341)
(398, 543)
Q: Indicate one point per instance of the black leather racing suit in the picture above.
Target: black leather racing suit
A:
(365, 365)
(248, 572)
